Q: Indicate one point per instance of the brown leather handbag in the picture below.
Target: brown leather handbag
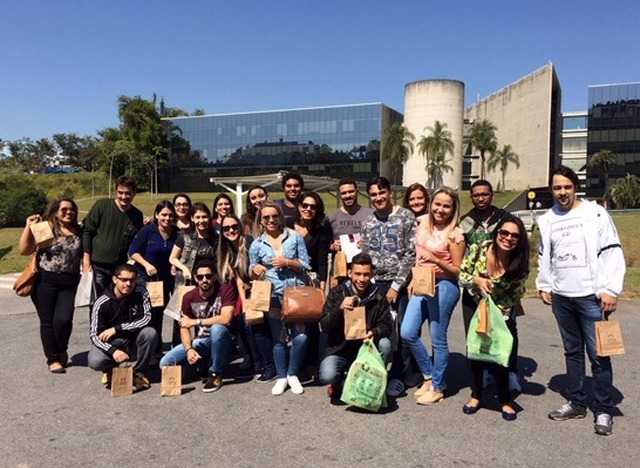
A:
(302, 304)
(27, 279)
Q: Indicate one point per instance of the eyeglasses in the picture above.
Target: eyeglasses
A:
(181, 205)
(269, 217)
(204, 276)
(126, 280)
(508, 234)
(230, 227)
(309, 206)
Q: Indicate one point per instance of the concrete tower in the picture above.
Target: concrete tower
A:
(425, 102)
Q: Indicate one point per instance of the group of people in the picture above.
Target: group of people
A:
(288, 242)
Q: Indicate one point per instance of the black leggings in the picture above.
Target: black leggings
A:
(54, 304)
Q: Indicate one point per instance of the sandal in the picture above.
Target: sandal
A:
(56, 368)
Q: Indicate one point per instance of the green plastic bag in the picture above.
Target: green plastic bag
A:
(366, 381)
(494, 347)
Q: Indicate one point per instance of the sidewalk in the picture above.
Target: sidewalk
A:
(70, 420)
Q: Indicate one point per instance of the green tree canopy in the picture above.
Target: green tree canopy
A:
(434, 147)
(603, 159)
(483, 139)
(398, 144)
(501, 159)
(625, 193)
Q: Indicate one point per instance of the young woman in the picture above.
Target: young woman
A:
(57, 280)
(233, 266)
(416, 199)
(439, 245)
(198, 243)
(280, 256)
(182, 205)
(256, 196)
(150, 250)
(222, 207)
(498, 267)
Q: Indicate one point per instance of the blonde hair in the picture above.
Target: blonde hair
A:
(429, 225)
(228, 266)
(270, 204)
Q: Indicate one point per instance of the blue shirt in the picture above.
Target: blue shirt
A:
(261, 253)
(154, 249)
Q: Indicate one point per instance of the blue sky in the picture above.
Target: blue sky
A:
(64, 63)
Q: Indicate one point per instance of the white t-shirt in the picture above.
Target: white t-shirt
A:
(569, 257)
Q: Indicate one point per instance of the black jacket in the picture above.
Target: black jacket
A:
(377, 309)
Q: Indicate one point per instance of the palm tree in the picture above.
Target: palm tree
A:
(437, 166)
(398, 145)
(483, 138)
(604, 159)
(435, 148)
(625, 193)
(502, 159)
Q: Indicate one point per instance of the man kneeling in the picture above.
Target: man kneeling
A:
(208, 309)
(120, 327)
(340, 352)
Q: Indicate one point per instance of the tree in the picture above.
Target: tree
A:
(603, 159)
(502, 159)
(80, 152)
(435, 148)
(29, 156)
(483, 138)
(398, 144)
(625, 193)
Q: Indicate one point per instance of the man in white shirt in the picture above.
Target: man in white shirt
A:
(581, 271)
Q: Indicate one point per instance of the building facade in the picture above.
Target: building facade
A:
(573, 153)
(332, 141)
(614, 124)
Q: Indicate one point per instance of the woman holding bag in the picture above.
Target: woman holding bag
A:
(280, 255)
(439, 245)
(150, 250)
(57, 279)
(498, 267)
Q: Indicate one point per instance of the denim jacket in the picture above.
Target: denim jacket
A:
(261, 253)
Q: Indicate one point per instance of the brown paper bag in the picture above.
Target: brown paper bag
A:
(339, 264)
(483, 318)
(156, 293)
(424, 280)
(252, 316)
(355, 323)
(609, 338)
(122, 381)
(42, 234)
(171, 383)
(261, 295)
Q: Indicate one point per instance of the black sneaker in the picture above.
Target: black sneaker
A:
(213, 383)
(604, 424)
(567, 411)
(267, 376)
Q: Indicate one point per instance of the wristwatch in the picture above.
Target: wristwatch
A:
(198, 322)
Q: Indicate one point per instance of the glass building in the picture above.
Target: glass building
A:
(331, 141)
(574, 144)
(614, 124)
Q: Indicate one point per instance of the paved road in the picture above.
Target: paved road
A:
(70, 420)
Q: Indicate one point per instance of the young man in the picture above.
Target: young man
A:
(387, 236)
(357, 291)
(120, 327)
(107, 232)
(478, 225)
(581, 272)
(208, 310)
(348, 218)
(292, 186)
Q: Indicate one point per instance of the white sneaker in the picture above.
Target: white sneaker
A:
(279, 387)
(395, 388)
(294, 383)
(514, 383)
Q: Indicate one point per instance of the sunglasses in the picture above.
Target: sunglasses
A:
(508, 234)
(126, 280)
(309, 206)
(269, 217)
(230, 227)
(205, 276)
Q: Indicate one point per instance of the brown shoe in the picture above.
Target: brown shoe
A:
(426, 385)
(140, 382)
(56, 368)
(430, 397)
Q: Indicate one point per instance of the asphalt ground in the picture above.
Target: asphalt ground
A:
(71, 420)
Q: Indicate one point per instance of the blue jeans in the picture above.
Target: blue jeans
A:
(437, 310)
(576, 318)
(333, 367)
(216, 347)
(288, 360)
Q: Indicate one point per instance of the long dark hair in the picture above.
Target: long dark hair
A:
(318, 217)
(221, 196)
(52, 211)
(161, 206)
(519, 259)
